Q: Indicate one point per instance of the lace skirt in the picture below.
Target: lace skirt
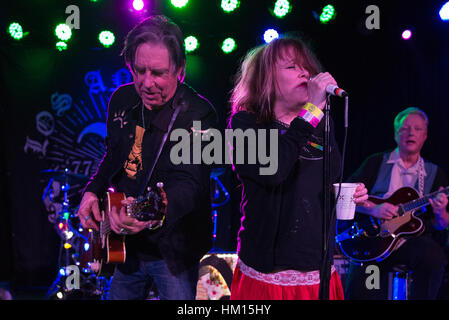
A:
(249, 284)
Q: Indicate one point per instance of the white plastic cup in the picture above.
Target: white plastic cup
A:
(345, 202)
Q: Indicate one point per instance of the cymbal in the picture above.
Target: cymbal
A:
(61, 176)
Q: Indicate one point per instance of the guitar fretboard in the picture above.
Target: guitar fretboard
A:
(423, 201)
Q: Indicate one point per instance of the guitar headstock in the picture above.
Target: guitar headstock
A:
(151, 207)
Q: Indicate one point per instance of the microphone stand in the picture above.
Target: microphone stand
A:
(325, 264)
(328, 216)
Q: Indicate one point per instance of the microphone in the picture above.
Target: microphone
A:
(336, 91)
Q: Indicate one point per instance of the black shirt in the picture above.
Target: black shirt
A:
(282, 223)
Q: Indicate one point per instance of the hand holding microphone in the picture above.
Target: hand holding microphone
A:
(319, 86)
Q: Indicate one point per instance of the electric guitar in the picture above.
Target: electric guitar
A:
(106, 248)
(367, 238)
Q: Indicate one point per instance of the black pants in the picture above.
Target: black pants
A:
(423, 256)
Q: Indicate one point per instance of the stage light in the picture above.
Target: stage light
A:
(444, 12)
(281, 8)
(229, 5)
(228, 45)
(15, 31)
(138, 5)
(68, 234)
(191, 43)
(179, 3)
(406, 35)
(327, 14)
(63, 32)
(106, 38)
(61, 45)
(270, 35)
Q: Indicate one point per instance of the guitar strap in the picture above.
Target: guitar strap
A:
(179, 103)
(421, 177)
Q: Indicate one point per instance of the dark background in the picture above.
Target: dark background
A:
(382, 73)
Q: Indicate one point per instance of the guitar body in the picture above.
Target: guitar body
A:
(106, 248)
(370, 239)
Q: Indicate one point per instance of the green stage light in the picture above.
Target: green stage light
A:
(63, 32)
(229, 5)
(15, 31)
(179, 3)
(61, 45)
(106, 38)
(328, 14)
(281, 8)
(191, 43)
(228, 45)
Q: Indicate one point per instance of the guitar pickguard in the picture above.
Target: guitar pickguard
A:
(390, 227)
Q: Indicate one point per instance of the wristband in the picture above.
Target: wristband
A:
(311, 114)
(314, 110)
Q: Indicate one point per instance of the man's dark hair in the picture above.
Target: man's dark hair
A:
(156, 29)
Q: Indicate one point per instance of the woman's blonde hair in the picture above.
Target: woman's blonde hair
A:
(255, 84)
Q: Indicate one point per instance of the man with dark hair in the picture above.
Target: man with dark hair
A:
(140, 117)
(383, 174)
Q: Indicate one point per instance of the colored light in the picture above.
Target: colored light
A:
(61, 45)
(281, 8)
(229, 5)
(138, 5)
(15, 31)
(106, 38)
(406, 35)
(270, 35)
(444, 12)
(60, 226)
(179, 3)
(327, 14)
(191, 43)
(86, 246)
(62, 272)
(228, 45)
(63, 32)
(67, 245)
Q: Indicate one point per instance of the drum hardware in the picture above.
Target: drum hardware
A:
(73, 240)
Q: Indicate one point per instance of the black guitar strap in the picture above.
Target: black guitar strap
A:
(179, 103)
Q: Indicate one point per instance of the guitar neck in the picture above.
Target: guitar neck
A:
(423, 201)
